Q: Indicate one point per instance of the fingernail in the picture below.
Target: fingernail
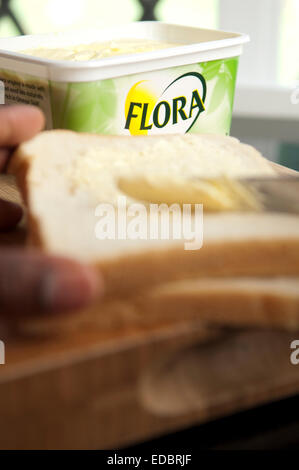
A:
(69, 289)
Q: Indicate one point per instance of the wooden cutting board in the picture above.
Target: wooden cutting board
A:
(96, 388)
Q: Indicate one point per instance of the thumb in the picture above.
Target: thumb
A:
(32, 284)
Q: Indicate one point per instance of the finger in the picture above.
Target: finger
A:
(19, 123)
(4, 154)
(10, 215)
(32, 284)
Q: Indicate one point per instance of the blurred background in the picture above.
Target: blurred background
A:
(266, 112)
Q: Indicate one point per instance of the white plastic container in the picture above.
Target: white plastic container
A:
(189, 87)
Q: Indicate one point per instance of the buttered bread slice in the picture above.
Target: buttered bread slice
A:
(65, 176)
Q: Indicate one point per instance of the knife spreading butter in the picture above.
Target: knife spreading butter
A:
(216, 194)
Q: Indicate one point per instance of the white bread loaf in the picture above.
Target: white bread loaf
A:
(64, 175)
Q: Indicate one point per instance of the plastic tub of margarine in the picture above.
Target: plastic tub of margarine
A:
(140, 78)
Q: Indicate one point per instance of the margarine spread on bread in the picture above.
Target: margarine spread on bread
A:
(216, 194)
(180, 170)
(98, 50)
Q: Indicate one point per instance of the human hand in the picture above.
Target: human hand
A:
(32, 283)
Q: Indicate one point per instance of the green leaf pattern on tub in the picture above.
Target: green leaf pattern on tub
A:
(224, 83)
(85, 107)
(220, 76)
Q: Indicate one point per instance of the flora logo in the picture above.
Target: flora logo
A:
(174, 110)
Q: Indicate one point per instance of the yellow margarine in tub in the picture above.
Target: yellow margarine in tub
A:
(140, 79)
(95, 51)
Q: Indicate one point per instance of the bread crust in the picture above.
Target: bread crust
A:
(20, 167)
(229, 303)
(260, 258)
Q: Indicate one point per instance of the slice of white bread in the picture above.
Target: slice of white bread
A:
(239, 302)
(209, 304)
(64, 175)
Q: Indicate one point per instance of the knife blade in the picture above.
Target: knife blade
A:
(280, 194)
(277, 193)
